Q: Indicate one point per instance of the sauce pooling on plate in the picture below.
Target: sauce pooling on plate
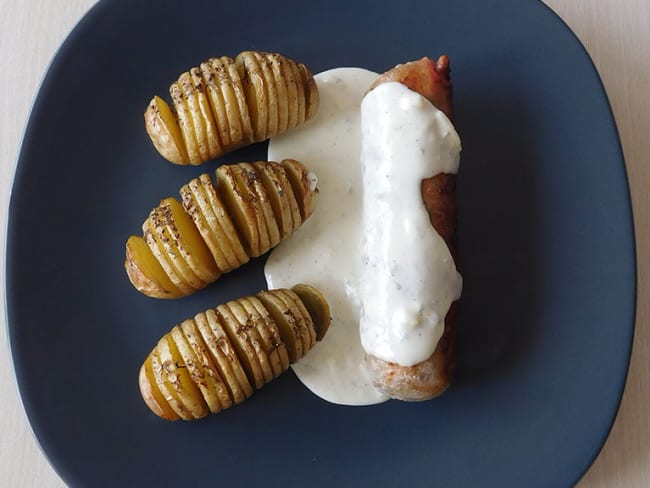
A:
(325, 251)
(328, 251)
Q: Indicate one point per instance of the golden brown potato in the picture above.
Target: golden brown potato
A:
(218, 227)
(165, 133)
(221, 356)
(202, 202)
(315, 305)
(225, 104)
(146, 273)
(303, 183)
(183, 243)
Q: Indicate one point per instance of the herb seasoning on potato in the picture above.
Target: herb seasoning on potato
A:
(221, 356)
(218, 227)
(225, 104)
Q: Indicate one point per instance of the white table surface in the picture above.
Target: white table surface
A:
(617, 35)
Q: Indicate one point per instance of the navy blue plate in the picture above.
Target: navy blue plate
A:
(547, 250)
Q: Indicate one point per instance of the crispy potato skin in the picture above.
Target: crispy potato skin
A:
(142, 282)
(160, 124)
(432, 377)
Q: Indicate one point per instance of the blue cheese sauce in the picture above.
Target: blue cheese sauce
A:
(408, 276)
(328, 250)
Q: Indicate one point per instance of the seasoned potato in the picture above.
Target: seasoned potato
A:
(217, 228)
(146, 273)
(303, 183)
(221, 356)
(228, 103)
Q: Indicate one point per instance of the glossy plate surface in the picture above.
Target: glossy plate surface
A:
(546, 241)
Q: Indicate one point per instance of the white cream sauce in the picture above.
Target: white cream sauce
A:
(408, 276)
(327, 250)
(324, 252)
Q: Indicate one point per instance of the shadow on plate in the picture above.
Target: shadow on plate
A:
(498, 206)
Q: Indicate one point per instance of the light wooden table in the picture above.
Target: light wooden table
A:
(617, 35)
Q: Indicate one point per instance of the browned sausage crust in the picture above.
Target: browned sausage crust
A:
(432, 377)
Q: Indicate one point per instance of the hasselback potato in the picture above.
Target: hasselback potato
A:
(217, 227)
(225, 104)
(221, 356)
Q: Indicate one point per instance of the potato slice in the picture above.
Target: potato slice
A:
(240, 95)
(236, 132)
(213, 374)
(240, 208)
(269, 332)
(188, 241)
(151, 393)
(246, 186)
(213, 144)
(255, 182)
(145, 272)
(268, 81)
(176, 374)
(152, 240)
(304, 186)
(283, 178)
(310, 90)
(276, 336)
(304, 314)
(275, 348)
(241, 341)
(185, 123)
(294, 314)
(228, 350)
(198, 123)
(166, 388)
(278, 198)
(316, 305)
(196, 204)
(199, 377)
(223, 219)
(201, 201)
(287, 324)
(162, 127)
(241, 105)
(224, 355)
(183, 244)
(217, 103)
(284, 101)
(295, 94)
(252, 79)
(246, 324)
(165, 237)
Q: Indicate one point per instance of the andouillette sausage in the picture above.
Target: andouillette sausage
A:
(433, 376)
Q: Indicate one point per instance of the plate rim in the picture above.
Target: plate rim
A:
(97, 9)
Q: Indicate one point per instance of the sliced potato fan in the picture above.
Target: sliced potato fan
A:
(218, 226)
(221, 356)
(227, 103)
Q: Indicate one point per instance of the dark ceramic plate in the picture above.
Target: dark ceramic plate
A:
(546, 242)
